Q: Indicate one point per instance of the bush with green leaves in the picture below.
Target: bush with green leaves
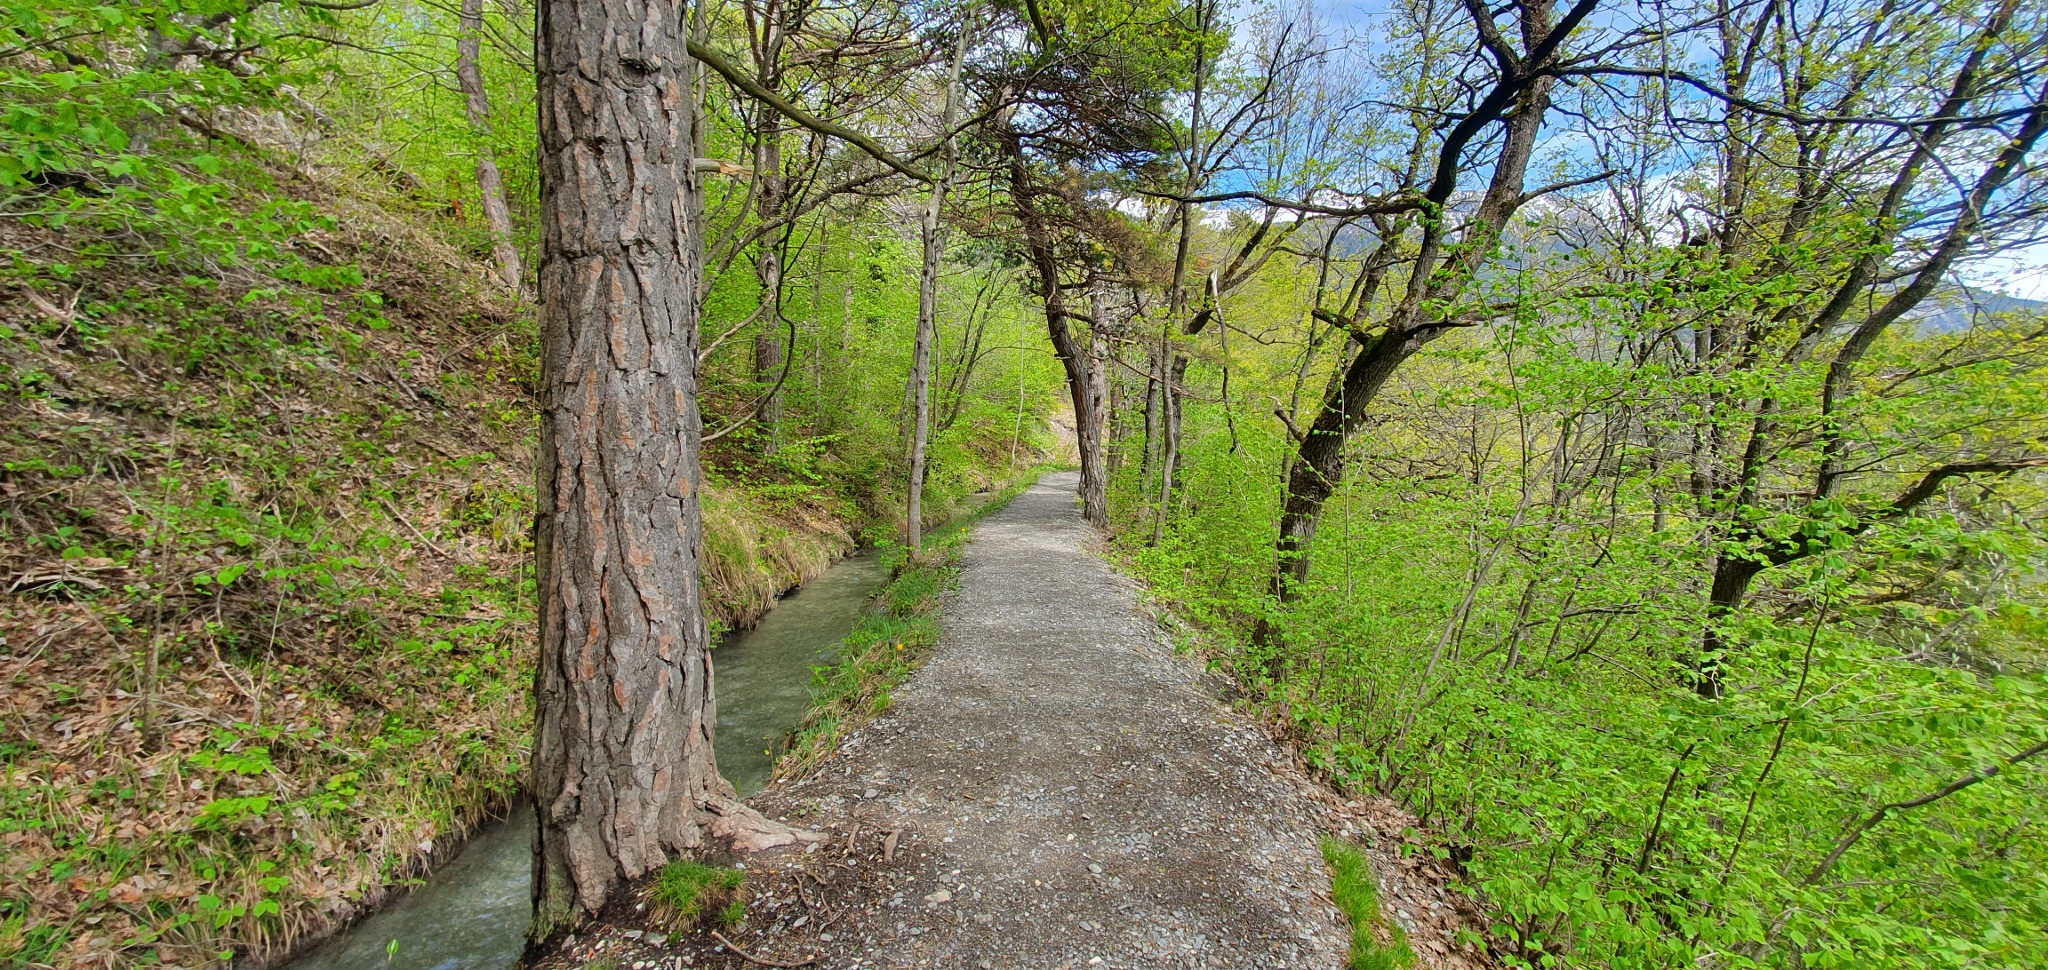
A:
(1502, 637)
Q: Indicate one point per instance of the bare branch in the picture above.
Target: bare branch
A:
(1982, 774)
(711, 59)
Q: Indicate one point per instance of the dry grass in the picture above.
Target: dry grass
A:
(754, 554)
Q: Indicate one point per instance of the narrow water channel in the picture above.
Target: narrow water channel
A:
(763, 675)
(471, 914)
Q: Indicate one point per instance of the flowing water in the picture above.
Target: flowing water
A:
(763, 676)
(471, 914)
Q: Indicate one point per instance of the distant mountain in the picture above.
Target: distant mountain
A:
(1951, 310)
(1956, 310)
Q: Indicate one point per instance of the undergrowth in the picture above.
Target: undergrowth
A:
(266, 640)
(266, 474)
(264, 547)
(1601, 812)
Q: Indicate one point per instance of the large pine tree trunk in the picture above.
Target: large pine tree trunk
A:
(1082, 369)
(477, 106)
(623, 773)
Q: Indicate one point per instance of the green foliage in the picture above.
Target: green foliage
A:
(107, 110)
(1508, 653)
(265, 429)
(269, 452)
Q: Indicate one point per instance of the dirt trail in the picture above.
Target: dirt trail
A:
(1062, 789)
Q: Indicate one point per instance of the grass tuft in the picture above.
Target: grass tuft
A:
(685, 890)
(733, 912)
(1353, 890)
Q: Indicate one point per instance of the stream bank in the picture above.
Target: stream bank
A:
(471, 913)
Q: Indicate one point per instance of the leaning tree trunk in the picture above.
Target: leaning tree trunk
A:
(623, 773)
(1074, 359)
(490, 184)
(1082, 389)
(1318, 466)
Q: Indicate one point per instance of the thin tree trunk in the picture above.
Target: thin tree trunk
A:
(477, 106)
(1172, 367)
(927, 311)
(921, 361)
(1094, 433)
(623, 775)
(1151, 421)
(769, 189)
(963, 370)
(1176, 368)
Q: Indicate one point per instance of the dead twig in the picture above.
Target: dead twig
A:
(65, 315)
(764, 961)
(409, 527)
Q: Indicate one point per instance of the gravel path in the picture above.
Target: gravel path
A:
(1053, 789)
(1063, 790)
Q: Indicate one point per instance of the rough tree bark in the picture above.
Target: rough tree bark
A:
(477, 106)
(623, 772)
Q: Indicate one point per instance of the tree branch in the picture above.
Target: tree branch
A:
(1399, 203)
(1982, 774)
(711, 59)
(1931, 481)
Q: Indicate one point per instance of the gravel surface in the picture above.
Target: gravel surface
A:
(1054, 788)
